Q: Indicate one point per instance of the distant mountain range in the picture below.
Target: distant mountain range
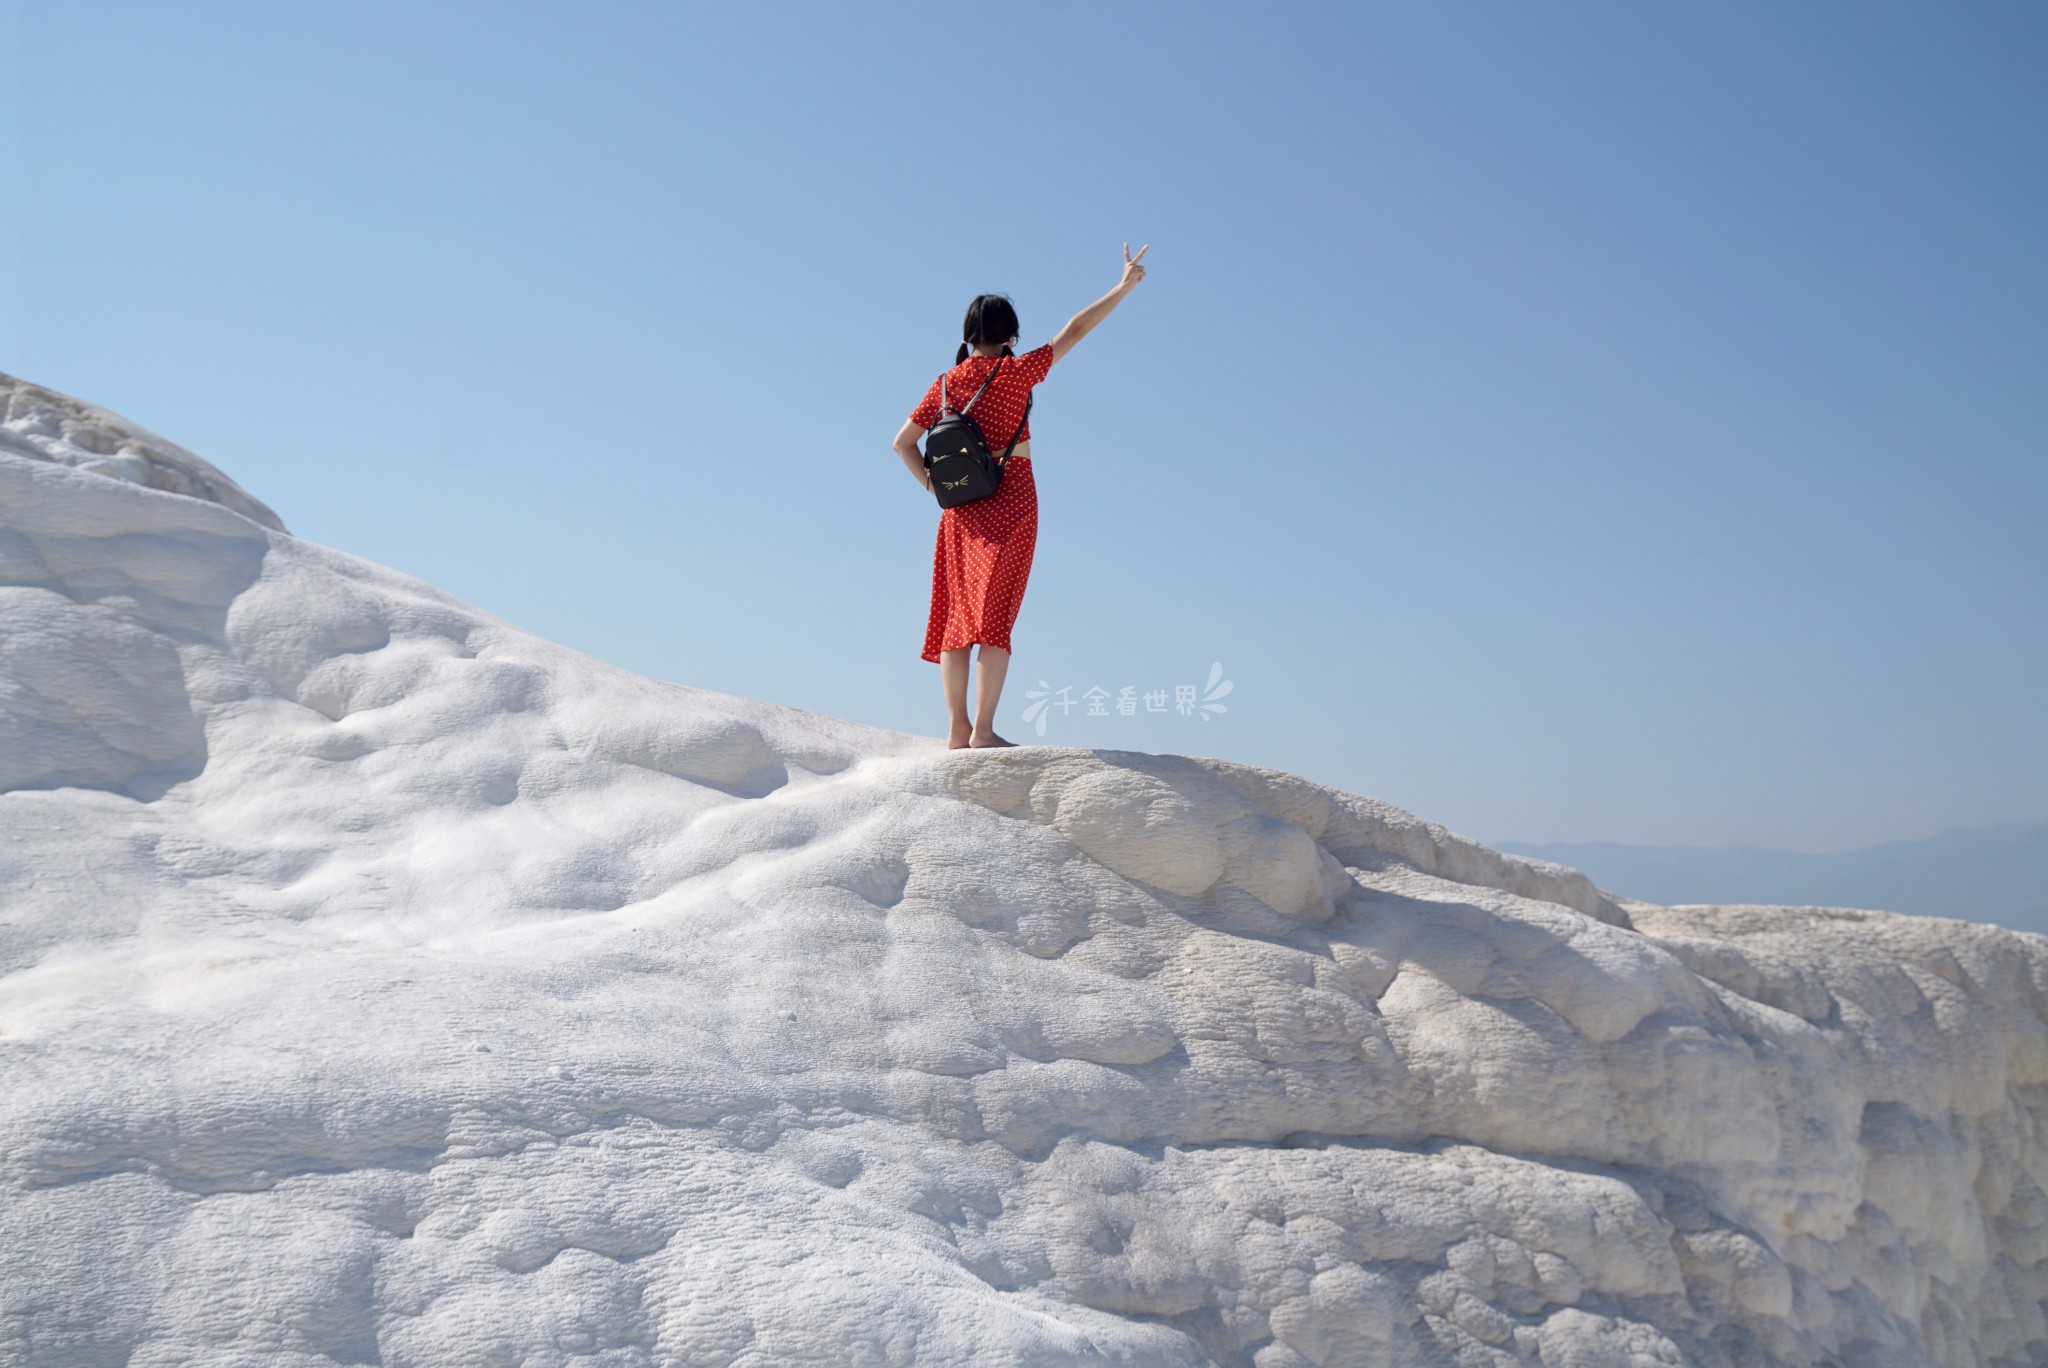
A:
(1986, 874)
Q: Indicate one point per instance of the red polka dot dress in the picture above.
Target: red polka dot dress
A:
(982, 559)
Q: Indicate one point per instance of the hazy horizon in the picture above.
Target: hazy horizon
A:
(1995, 874)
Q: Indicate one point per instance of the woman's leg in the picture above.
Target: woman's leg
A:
(953, 679)
(988, 690)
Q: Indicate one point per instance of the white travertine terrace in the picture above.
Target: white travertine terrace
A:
(382, 984)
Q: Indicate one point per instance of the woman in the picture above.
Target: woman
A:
(983, 555)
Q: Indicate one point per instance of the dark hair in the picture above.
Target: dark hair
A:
(990, 318)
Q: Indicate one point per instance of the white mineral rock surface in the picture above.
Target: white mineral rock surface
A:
(384, 985)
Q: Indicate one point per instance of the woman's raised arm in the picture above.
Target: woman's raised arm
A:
(1083, 323)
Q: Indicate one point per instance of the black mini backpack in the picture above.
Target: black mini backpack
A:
(956, 455)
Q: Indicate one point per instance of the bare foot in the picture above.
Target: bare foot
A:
(982, 740)
(959, 738)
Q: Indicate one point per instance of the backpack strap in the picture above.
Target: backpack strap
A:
(1004, 459)
(943, 406)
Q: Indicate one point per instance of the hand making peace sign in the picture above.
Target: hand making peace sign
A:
(1133, 272)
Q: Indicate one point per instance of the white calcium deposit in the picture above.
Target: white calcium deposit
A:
(384, 985)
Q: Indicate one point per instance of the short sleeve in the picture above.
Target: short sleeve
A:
(926, 414)
(1034, 364)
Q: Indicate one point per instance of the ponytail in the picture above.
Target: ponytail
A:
(960, 355)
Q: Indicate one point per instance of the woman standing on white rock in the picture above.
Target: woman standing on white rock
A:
(982, 559)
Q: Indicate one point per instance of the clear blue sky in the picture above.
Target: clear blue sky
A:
(1567, 421)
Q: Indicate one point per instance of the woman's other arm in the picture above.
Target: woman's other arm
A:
(913, 459)
(1083, 323)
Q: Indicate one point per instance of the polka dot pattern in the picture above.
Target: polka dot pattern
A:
(998, 411)
(982, 559)
(981, 564)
